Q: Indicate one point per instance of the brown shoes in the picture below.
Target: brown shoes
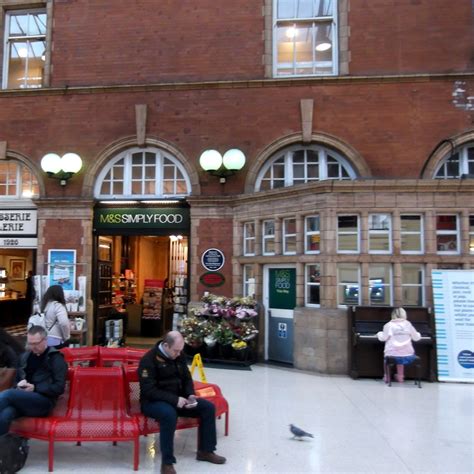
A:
(210, 457)
(167, 469)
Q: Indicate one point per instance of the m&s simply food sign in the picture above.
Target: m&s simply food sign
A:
(121, 218)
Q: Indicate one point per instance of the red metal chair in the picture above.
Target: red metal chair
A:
(109, 356)
(97, 411)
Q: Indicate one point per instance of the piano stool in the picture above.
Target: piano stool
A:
(391, 362)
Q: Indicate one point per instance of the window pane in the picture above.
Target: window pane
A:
(290, 226)
(269, 228)
(446, 243)
(446, 222)
(379, 243)
(348, 284)
(312, 224)
(379, 222)
(411, 223)
(347, 223)
(411, 242)
(412, 296)
(411, 275)
(269, 246)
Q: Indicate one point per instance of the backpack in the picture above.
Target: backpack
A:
(37, 319)
(13, 453)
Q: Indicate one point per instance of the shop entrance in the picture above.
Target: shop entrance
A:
(141, 284)
(280, 301)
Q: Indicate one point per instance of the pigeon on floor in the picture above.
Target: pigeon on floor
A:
(298, 433)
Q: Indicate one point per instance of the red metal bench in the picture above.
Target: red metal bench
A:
(90, 410)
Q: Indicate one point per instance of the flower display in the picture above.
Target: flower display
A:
(229, 321)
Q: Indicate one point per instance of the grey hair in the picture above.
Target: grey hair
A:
(399, 313)
(38, 330)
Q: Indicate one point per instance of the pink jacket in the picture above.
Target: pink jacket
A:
(398, 334)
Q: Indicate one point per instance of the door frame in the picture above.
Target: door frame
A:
(266, 297)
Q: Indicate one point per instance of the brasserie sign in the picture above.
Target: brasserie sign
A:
(123, 218)
(18, 222)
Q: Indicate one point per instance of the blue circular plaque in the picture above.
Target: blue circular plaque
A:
(213, 259)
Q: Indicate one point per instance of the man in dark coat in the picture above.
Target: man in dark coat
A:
(167, 392)
(42, 379)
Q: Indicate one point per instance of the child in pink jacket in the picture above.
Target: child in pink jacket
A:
(397, 335)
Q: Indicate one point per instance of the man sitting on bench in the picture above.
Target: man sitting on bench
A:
(42, 379)
(167, 392)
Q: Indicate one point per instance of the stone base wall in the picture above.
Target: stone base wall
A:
(321, 340)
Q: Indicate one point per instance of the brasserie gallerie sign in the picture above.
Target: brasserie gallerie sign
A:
(123, 218)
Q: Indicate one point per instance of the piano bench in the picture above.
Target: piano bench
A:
(391, 362)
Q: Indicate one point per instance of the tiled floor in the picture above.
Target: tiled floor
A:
(358, 426)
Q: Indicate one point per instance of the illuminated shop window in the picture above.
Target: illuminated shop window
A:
(458, 164)
(312, 235)
(313, 285)
(413, 277)
(304, 37)
(17, 181)
(300, 165)
(149, 173)
(24, 49)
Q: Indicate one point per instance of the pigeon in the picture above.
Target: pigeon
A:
(298, 433)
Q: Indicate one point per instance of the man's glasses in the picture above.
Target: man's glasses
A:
(36, 343)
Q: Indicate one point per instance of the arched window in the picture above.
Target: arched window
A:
(148, 173)
(299, 165)
(458, 164)
(17, 181)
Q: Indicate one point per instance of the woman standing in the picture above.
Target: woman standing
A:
(53, 305)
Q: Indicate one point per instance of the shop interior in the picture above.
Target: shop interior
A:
(15, 287)
(142, 287)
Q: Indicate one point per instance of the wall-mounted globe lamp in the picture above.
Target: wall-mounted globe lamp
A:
(215, 164)
(62, 168)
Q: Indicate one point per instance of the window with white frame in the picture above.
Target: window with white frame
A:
(289, 236)
(17, 181)
(380, 233)
(268, 237)
(348, 237)
(380, 284)
(447, 234)
(313, 284)
(312, 241)
(249, 281)
(305, 37)
(458, 164)
(300, 165)
(413, 277)
(24, 53)
(411, 234)
(149, 173)
(471, 234)
(249, 238)
(348, 284)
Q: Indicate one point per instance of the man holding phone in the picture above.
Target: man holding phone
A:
(167, 392)
(42, 379)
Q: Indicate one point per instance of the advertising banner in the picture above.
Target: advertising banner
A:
(453, 295)
(62, 268)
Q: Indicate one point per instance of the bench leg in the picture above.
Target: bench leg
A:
(136, 453)
(50, 455)
(227, 423)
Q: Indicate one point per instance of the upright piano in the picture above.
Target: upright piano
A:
(366, 351)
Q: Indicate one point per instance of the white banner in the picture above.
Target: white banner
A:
(453, 295)
(19, 242)
(18, 222)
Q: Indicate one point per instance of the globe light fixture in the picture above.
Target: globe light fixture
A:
(215, 164)
(61, 168)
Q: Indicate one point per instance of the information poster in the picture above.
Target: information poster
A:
(62, 268)
(453, 294)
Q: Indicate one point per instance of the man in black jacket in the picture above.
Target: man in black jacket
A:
(42, 379)
(166, 392)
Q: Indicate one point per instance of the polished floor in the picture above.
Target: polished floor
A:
(358, 426)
